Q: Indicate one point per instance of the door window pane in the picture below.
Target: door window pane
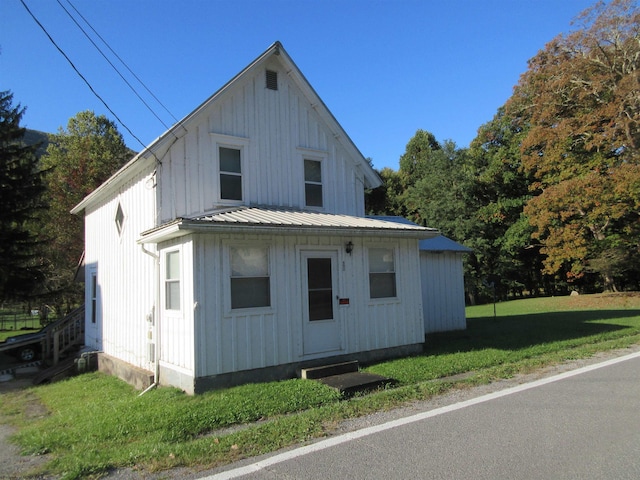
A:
(94, 296)
(320, 289)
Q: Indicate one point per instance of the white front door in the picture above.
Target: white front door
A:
(322, 329)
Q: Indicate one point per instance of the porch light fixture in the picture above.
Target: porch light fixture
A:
(349, 247)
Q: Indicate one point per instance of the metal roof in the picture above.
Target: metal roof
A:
(442, 244)
(278, 220)
(439, 243)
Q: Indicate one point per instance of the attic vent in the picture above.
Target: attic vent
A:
(272, 80)
(119, 219)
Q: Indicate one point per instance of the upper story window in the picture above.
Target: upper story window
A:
(313, 183)
(382, 273)
(172, 281)
(230, 173)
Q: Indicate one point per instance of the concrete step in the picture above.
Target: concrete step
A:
(353, 382)
(345, 377)
(314, 373)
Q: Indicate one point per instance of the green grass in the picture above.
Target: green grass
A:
(4, 334)
(16, 323)
(93, 422)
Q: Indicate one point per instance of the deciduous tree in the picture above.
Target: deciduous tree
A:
(579, 102)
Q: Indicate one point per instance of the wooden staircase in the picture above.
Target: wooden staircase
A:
(63, 335)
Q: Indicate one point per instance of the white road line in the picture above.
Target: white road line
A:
(347, 437)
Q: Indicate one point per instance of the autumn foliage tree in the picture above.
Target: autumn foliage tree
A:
(579, 102)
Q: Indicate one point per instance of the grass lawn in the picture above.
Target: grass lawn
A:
(4, 334)
(93, 422)
(12, 324)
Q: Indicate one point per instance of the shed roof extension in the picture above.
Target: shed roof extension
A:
(438, 243)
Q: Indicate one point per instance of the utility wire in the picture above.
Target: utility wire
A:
(112, 65)
(121, 60)
(80, 74)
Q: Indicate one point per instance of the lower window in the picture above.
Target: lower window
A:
(382, 273)
(250, 280)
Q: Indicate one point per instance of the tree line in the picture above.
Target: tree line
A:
(547, 195)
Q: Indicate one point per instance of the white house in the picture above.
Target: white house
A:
(235, 248)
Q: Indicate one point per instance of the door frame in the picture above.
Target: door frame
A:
(321, 336)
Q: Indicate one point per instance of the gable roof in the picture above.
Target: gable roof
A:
(438, 243)
(159, 147)
(284, 221)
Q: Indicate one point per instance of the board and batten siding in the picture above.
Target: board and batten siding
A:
(125, 274)
(176, 327)
(236, 340)
(276, 130)
(442, 291)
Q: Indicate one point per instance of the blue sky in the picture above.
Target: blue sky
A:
(385, 68)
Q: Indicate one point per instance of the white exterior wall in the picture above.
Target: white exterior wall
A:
(125, 274)
(276, 130)
(442, 291)
(229, 341)
(176, 327)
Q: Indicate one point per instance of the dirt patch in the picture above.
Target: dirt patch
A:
(14, 465)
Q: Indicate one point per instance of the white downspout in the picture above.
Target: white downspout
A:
(156, 313)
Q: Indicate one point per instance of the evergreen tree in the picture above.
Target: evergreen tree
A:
(21, 197)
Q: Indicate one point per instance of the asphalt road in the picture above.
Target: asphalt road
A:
(583, 424)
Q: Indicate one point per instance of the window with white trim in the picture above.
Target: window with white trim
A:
(313, 183)
(172, 293)
(93, 294)
(230, 161)
(250, 279)
(382, 273)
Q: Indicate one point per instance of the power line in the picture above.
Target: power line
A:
(80, 74)
(121, 60)
(113, 66)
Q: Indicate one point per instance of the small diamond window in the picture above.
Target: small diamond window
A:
(119, 219)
